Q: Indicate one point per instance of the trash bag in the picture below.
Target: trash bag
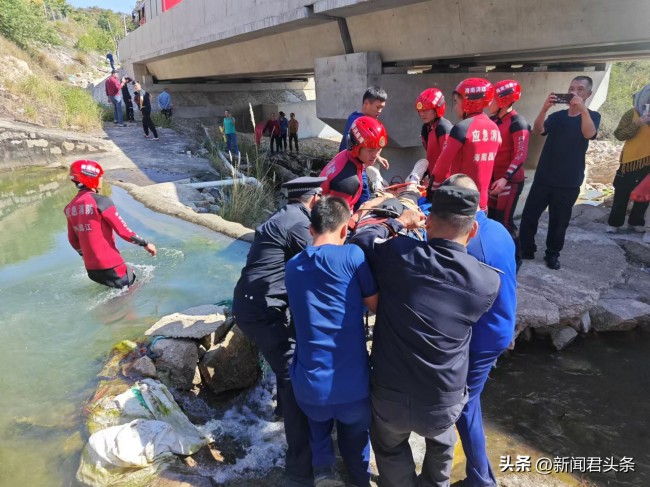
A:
(144, 431)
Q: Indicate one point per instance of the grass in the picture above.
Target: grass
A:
(247, 204)
(75, 106)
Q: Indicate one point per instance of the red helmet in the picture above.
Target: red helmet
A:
(431, 99)
(86, 173)
(507, 91)
(477, 93)
(366, 132)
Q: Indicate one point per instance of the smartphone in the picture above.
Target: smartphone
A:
(564, 98)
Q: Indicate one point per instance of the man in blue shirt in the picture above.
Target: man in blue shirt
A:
(560, 170)
(374, 101)
(165, 103)
(328, 284)
(491, 336)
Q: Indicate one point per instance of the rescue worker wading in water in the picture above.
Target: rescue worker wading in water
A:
(92, 219)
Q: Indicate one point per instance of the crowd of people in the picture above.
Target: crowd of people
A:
(435, 258)
(118, 92)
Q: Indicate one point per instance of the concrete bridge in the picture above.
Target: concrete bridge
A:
(218, 53)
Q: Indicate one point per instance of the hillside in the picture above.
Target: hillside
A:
(51, 52)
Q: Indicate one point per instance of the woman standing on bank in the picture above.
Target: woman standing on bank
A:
(143, 100)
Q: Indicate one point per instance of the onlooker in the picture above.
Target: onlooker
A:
(284, 130)
(109, 56)
(273, 129)
(491, 336)
(231, 132)
(165, 103)
(474, 141)
(260, 309)
(560, 170)
(435, 128)
(641, 194)
(328, 284)
(144, 103)
(344, 173)
(293, 132)
(113, 89)
(431, 294)
(373, 103)
(128, 102)
(634, 129)
(508, 174)
(92, 219)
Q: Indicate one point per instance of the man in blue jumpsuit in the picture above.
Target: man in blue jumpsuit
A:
(260, 309)
(491, 335)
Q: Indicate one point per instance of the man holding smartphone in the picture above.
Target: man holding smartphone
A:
(560, 170)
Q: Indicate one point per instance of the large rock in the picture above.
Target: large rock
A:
(561, 337)
(534, 311)
(591, 264)
(176, 361)
(232, 364)
(619, 314)
(195, 322)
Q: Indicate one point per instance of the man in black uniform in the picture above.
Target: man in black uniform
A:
(430, 295)
(260, 309)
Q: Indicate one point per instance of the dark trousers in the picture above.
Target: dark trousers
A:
(275, 340)
(283, 142)
(470, 424)
(560, 203)
(117, 277)
(293, 138)
(167, 112)
(394, 417)
(130, 116)
(147, 123)
(502, 209)
(352, 426)
(623, 186)
(275, 140)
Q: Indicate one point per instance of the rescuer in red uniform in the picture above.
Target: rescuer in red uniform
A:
(474, 141)
(435, 128)
(344, 173)
(508, 173)
(92, 219)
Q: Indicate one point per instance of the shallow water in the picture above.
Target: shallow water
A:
(56, 325)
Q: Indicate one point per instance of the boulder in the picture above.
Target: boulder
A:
(561, 337)
(144, 367)
(214, 338)
(231, 364)
(175, 361)
(534, 311)
(619, 314)
(196, 323)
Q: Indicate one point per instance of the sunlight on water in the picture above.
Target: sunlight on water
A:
(56, 325)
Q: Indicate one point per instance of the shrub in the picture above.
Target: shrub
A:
(95, 39)
(22, 21)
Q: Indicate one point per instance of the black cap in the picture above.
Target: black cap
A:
(303, 186)
(455, 200)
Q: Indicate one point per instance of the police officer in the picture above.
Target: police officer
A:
(431, 294)
(260, 309)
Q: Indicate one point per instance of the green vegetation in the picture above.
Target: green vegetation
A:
(95, 39)
(23, 22)
(627, 78)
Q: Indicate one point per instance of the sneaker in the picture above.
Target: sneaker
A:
(419, 168)
(611, 229)
(636, 228)
(552, 262)
(375, 179)
(155, 138)
(122, 125)
(146, 136)
(646, 238)
(326, 477)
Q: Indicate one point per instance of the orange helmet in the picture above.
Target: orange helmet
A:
(366, 132)
(477, 93)
(86, 173)
(507, 92)
(431, 99)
